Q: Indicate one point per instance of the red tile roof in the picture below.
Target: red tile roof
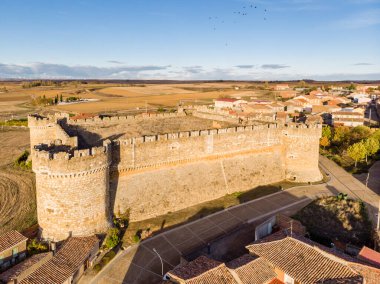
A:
(65, 263)
(304, 262)
(202, 270)
(31, 263)
(252, 270)
(11, 239)
(370, 256)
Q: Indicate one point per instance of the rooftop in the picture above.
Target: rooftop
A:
(252, 270)
(304, 260)
(10, 239)
(202, 270)
(65, 263)
(370, 256)
(17, 270)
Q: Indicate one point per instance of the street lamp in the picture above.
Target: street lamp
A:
(162, 264)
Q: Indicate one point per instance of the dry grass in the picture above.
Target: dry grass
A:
(17, 191)
(116, 97)
(330, 218)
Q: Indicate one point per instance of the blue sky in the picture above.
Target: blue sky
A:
(192, 39)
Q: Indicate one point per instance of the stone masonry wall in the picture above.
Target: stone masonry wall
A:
(152, 175)
(157, 191)
(72, 192)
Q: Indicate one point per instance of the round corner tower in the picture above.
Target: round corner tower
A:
(72, 192)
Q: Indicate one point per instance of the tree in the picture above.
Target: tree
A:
(376, 135)
(372, 146)
(326, 132)
(324, 142)
(352, 87)
(359, 133)
(341, 135)
(61, 98)
(357, 152)
(112, 238)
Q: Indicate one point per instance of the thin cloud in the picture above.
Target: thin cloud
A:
(193, 69)
(115, 62)
(362, 64)
(361, 20)
(48, 70)
(274, 66)
(245, 66)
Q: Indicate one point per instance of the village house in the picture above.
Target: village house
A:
(276, 106)
(303, 103)
(360, 98)
(288, 94)
(347, 118)
(12, 249)
(228, 103)
(65, 266)
(257, 108)
(282, 257)
(291, 107)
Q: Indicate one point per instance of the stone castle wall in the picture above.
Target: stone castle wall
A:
(152, 175)
(73, 192)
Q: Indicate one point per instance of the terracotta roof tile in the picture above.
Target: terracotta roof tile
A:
(30, 262)
(65, 263)
(252, 270)
(10, 239)
(303, 261)
(202, 270)
(370, 256)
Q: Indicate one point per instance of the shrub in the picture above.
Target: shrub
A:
(35, 247)
(136, 239)
(97, 267)
(22, 162)
(112, 238)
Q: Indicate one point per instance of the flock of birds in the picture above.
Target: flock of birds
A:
(243, 12)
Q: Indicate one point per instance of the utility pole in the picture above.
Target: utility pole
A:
(162, 264)
(366, 180)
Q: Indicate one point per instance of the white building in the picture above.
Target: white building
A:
(228, 103)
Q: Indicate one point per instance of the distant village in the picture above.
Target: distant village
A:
(345, 106)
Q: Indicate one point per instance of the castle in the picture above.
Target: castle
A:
(88, 170)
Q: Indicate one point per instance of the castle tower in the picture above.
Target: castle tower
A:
(301, 145)
(47, 130)
(72, 191)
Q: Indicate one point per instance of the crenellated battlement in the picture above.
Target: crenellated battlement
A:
(215, 132)
(52, 160)
(121, 119)
(150, 175)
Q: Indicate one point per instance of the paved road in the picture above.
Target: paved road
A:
(140, 264)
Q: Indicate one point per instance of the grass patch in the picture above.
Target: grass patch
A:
(15, 122)
(337, 218)
(104, 261)
(146, 228)
(22, 161)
